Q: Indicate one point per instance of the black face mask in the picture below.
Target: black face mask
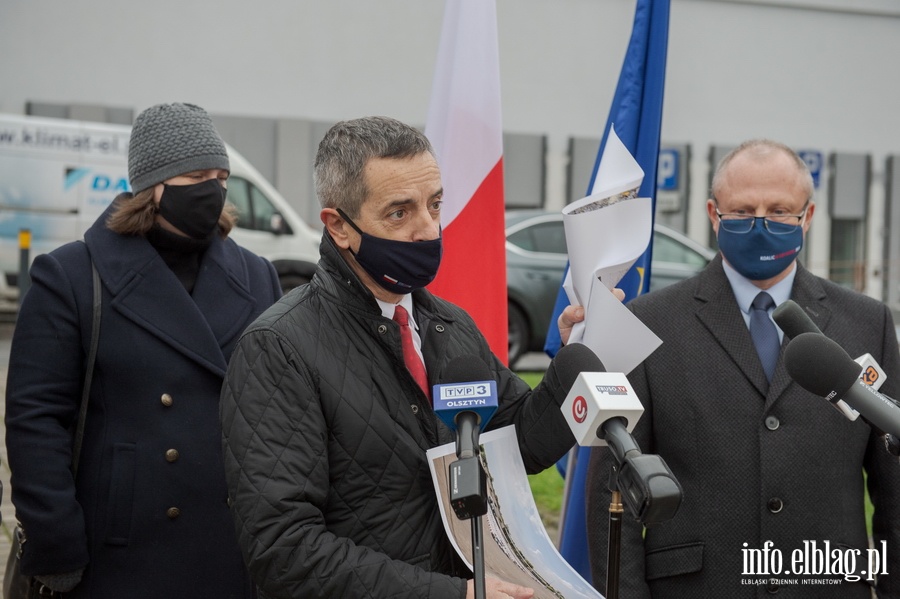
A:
(193, 209)
(398, 266)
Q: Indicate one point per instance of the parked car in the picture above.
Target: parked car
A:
(536, 259)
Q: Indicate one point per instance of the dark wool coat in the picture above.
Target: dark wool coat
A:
(148, 516)
(325, 440)
(756, 464)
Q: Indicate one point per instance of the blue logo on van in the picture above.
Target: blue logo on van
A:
(99, 182)
(73, 176)
(106, 183)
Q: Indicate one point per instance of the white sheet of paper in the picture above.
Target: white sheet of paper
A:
(516, 546)
(617, 336)
(606, 242)
(618, 170)
(603, 243)
(577, 332)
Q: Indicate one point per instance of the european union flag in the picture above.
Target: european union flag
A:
(637, 114)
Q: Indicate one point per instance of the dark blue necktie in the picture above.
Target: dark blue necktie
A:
(764, 333)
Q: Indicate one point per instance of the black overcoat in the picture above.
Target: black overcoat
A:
(148, 516)
(759, 463)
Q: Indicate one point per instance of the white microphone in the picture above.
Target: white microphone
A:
(594, 399)
(602, 409)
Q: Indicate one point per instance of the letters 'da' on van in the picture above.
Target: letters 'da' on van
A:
(57, 176)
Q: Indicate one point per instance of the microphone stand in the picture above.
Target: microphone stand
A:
(614, 546)
(478, 553)
(631, 476)
(468, 494)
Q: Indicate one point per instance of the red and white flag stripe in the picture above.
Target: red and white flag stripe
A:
(464, 126)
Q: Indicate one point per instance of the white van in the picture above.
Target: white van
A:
(57, 176)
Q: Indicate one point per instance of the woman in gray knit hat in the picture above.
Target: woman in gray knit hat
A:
(146, 512)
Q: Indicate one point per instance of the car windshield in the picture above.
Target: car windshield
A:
(667, 249)
(549, 237)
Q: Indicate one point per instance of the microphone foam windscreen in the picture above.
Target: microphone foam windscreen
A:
(466, 369)
(793, 320)
(820, 365)
(571, 360)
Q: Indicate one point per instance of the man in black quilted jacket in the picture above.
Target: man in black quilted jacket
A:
(326, 428)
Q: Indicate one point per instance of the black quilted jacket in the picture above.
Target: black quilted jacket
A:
(325, 439)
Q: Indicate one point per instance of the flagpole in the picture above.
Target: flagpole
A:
(571, 461)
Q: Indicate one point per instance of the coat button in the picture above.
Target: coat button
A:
(415, 408)
(173, 512)
(439, 328)
(775, 505)
(166, 400)
(171, 455)
(772, 423)
(382, 329)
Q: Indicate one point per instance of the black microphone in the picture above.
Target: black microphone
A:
(822, 367)
(794, 321)
(465, 402)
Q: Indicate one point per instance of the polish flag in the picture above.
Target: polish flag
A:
(464, 126)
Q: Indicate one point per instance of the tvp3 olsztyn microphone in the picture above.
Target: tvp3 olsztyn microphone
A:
(465, 402)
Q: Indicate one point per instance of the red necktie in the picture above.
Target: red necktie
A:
(413, 361)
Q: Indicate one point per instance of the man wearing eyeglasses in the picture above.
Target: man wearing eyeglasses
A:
(773, 477)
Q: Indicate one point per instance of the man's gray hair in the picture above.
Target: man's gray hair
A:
(348, 146)
(760, 148)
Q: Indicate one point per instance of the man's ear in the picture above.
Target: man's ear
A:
(809, 214)
(711, 213)
(336, 227)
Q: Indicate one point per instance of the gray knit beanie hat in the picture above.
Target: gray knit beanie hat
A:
(168, 140)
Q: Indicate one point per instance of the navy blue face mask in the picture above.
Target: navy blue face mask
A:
(760, 254)
(398, 266)
(193, 209)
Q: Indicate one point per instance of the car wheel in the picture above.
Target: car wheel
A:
(291, 280)
(518, 333)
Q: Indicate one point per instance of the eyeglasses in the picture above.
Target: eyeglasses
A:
(776, 224)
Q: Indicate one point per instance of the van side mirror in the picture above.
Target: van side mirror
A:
(277, 224)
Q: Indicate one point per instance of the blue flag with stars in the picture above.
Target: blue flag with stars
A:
(637, 114)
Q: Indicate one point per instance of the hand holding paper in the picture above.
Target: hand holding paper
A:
(606, 233)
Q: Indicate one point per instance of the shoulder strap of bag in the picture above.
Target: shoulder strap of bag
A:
(89, 371)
